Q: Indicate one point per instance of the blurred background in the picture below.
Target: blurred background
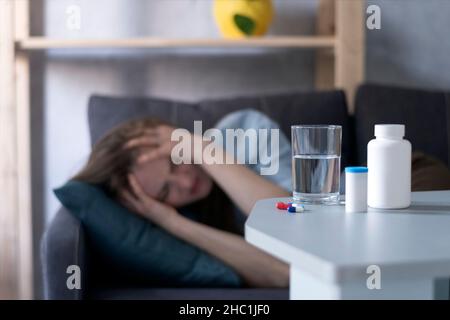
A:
(411, 48)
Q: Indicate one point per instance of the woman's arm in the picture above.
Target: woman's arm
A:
(241, 184)
(257, 268)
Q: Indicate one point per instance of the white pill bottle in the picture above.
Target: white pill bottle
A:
(389, 168)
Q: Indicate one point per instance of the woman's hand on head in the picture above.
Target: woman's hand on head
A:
(155, 143)
(138, 201)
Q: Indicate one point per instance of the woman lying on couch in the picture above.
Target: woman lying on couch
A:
(133, 163)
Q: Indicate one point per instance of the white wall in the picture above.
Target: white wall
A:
(413, 46)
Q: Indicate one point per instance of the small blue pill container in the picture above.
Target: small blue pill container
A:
(356, 189)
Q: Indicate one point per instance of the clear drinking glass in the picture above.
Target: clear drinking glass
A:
(316, 163)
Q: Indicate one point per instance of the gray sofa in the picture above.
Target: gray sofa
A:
(425, 113)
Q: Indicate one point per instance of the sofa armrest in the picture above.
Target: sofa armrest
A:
(63, 244)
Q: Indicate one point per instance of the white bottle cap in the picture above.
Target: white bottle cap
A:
(390, 130)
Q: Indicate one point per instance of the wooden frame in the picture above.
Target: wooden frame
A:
(339, 63)
(16, 261)
(350, 47)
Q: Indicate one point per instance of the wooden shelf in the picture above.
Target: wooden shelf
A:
(41, 43)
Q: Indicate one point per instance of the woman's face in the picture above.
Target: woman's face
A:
(176, 185)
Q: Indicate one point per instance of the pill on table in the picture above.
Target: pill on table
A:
(282, 205)
(296, 209)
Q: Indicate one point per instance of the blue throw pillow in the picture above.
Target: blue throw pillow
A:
(138, 246)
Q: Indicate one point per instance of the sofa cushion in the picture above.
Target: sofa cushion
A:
(149, 254)
(424, 113)
(106, 112)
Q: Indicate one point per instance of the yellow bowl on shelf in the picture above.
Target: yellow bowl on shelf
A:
(243, 18)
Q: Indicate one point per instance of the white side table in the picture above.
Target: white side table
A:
(333, 254)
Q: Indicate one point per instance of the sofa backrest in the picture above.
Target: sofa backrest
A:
(328, 107)
(425, 113)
